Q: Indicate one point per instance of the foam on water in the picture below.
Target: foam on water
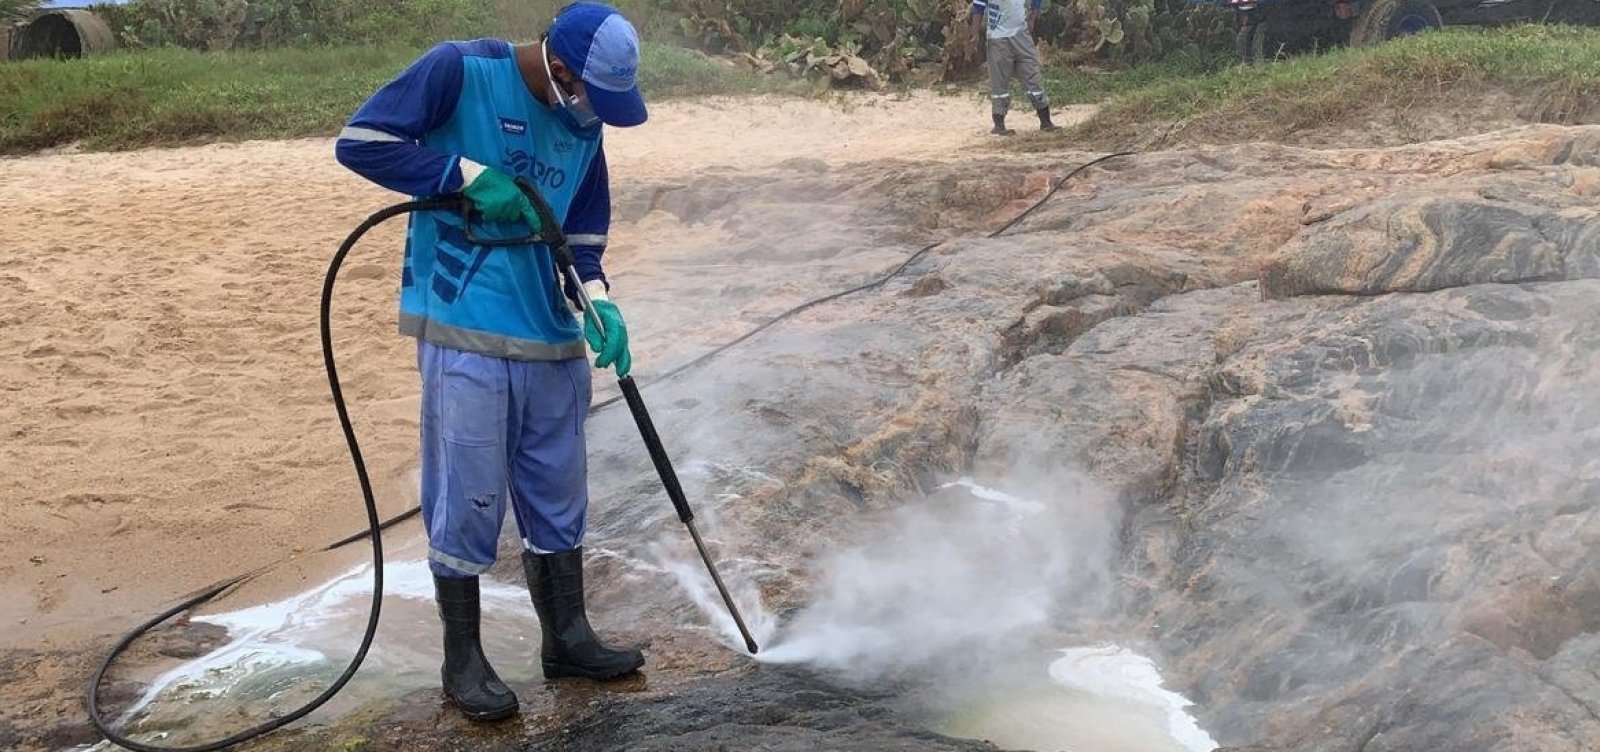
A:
(286, 650)
(1105, 699)
(1120, 674)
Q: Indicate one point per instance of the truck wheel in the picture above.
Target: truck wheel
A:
(1388, 19)
(1261, 42)
(1244, 42)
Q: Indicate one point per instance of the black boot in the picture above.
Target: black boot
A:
(570, 646)
(468, 678)
(1000, 128)
(1044, 120)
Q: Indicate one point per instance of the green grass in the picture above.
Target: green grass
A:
(1551, 73)
(1072, 86)
(172, 96)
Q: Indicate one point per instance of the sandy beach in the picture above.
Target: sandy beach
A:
(165, 415)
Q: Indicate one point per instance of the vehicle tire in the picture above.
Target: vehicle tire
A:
(1244, 42)
(1262, 42)
(1383, 20)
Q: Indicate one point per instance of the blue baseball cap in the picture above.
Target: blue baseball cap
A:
(597, 42)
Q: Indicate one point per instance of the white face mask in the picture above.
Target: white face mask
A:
(575, 110)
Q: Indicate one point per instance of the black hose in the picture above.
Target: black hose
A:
(873, 285)
(1063, 181)
(374, 528)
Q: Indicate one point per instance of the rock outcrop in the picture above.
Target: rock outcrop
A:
(1357, 514)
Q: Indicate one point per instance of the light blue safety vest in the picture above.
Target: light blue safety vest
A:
(501, 301)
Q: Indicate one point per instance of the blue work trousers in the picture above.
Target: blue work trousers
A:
(498, 432)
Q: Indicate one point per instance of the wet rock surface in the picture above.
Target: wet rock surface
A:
(44, 694)
(1350, 521)
(1340, 403)
(747, 708)
(769, 710)
(1361, 523)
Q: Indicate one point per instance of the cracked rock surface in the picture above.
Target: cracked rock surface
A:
(1358, 496)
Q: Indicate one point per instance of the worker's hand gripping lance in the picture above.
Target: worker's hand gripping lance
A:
(551, 235)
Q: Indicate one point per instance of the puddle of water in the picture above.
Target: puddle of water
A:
(285, 652)
(1105, 699)
(973, 574)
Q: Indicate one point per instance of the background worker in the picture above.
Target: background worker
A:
(1010, 52)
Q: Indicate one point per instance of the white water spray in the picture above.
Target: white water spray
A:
(960, 586)
(963, 573)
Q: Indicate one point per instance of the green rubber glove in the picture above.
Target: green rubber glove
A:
(496, 196)
(614, 347)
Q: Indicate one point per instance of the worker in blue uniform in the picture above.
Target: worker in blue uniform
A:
(505, 384)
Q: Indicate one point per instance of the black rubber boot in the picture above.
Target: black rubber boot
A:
(1000, 128)
(570, 645)
(1044, 120)
(468, 679)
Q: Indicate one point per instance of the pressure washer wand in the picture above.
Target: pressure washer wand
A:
(557, 241)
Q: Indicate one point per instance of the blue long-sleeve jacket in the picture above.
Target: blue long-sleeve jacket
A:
(468, 100)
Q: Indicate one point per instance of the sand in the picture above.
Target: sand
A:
(165, 417)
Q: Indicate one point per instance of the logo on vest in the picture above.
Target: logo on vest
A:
(513, 127)
(519, 162)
